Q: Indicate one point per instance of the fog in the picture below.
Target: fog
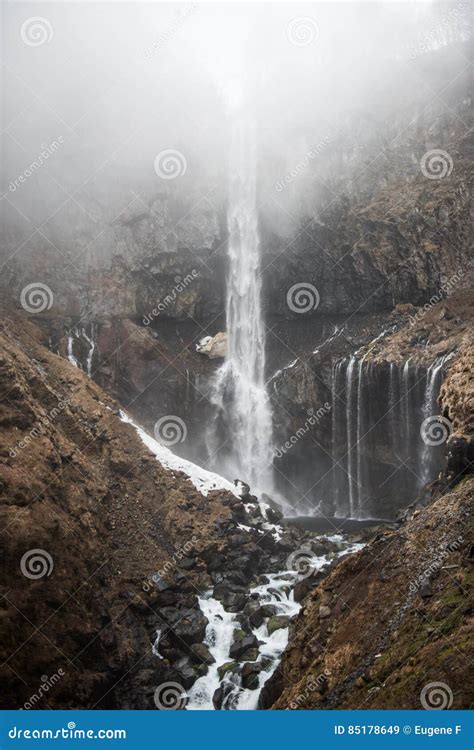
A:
(116, 84)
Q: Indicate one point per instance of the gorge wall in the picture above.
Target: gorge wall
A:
(137, 273)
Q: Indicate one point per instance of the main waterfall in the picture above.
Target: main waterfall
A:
(239, 392)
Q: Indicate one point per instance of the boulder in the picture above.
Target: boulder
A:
(188, 625)
(250, 675)
(277, 622)
(250, 655)
(202, 653)
(228, 666)
(268, 610)
(253, 612)
(213, 346)
(241, 645)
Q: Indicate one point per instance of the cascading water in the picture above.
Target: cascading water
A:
(239, 391)
(378, 451)
(84, 341)
(276, 591)
(434, 377)
(91, 342)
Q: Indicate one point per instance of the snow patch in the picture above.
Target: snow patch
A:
(203, 480)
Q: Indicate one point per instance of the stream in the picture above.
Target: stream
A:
(276, 592)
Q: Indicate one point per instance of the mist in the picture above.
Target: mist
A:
(116, 84)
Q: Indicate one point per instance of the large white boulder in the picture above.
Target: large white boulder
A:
(213, 346)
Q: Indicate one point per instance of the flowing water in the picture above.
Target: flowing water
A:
(220, 634)
(85, 340)
(378, 450)
(239, 391)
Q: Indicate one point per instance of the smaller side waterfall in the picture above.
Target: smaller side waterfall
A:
(379, 457)
(429, 455)
(91, 341)
(70, 346)
(81, 346)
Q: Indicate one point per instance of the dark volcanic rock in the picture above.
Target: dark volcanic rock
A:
(241, 645)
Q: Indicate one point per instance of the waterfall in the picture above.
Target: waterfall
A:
(239, 391)
(360, 432)
(405, 422)
(70, 352)
(379, 457)
(349, 425)
(80, 337)
(91, 342)
(432, 387)
(338, 472)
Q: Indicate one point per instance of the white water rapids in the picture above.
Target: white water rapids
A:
(220, 634)
(239, 391)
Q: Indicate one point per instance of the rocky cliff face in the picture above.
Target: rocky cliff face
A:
(322, 404)
(103, 549)
(389, 621)
(137, 273)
